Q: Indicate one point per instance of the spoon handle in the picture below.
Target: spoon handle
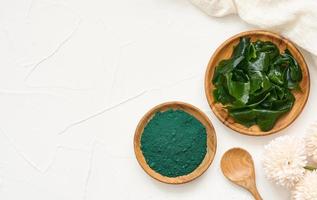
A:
(255, 193)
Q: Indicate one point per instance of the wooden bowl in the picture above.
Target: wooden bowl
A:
(225, 51)
(211, 142)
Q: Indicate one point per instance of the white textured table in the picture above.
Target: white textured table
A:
(75, 78)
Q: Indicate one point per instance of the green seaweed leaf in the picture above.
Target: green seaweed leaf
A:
(224, 67)
(242, 48)
(261, 63)
(239, 90)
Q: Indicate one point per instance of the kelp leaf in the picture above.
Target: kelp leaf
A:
(224, 67)
(252, 105)
(242, 48)
(239, 75)
(255, 80)
(221, 95)
(276, 75)
(285, 103)
(251, 54)
(246, 117)
(268, 47)
(259, 82)
(261, 63)
(266, 119)
(290, 83)
(296, 72)
(239, 90)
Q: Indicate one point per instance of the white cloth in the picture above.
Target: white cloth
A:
(294, 19)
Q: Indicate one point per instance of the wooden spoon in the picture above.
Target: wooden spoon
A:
(237, 165)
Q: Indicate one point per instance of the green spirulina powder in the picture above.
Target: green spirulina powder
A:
(174, 143)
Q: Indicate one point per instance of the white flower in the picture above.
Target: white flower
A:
(284, 160)
(306, 189)
(311, 143)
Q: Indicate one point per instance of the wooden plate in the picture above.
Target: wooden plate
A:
(211, 142)
(225, 50)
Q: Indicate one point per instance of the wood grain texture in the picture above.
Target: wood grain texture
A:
(237, 165)
(225, 51)
(211, 142)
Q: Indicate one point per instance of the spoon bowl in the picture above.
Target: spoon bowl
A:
(237, 165)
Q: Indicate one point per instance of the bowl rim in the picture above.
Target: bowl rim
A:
(208, 82)
(211, 142)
